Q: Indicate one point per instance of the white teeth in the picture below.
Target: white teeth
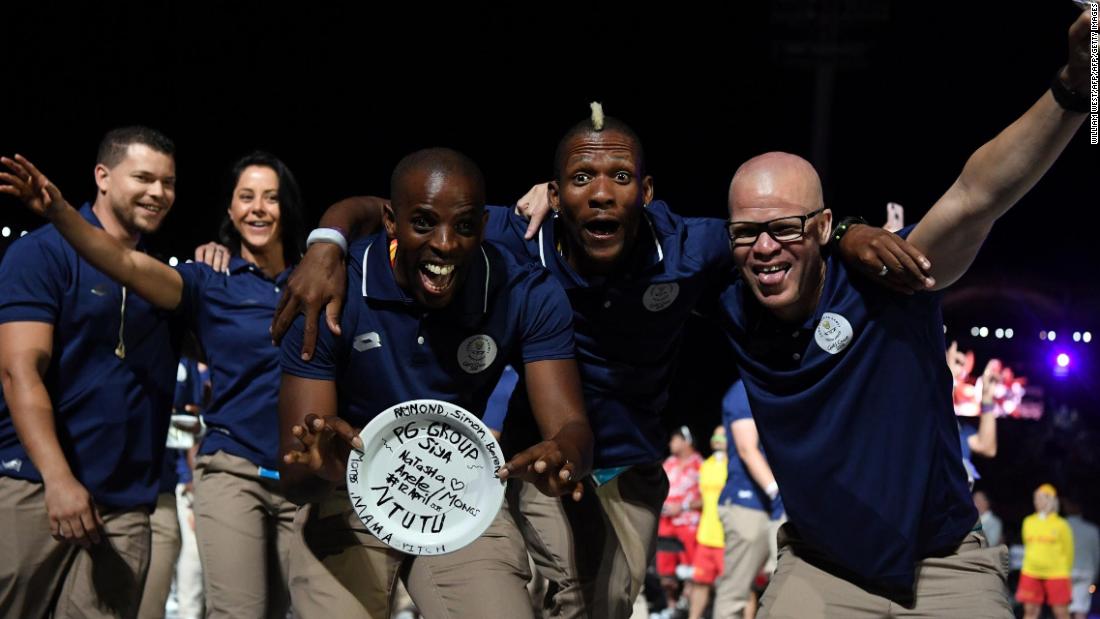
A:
(445, 269)
(773, 269)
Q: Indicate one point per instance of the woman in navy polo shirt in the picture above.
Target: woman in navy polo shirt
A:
(243, 522)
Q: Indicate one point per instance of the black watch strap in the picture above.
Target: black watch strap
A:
(1069, 99)
(842, 226)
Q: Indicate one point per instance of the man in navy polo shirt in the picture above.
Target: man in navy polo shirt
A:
(849, 389)
(750, 508)
(432, 296)
(88, 376)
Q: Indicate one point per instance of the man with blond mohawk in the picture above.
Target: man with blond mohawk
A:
(848, 386)
(633, 271)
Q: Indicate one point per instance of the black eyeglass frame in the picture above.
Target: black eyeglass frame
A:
(765, 226)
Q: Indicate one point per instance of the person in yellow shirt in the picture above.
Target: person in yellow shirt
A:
(1048, 558)
(709, 553)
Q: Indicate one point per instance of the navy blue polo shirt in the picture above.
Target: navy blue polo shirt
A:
(497, 407)
(628, 328)
(392, 349)
(854, 410)
(231, 317)
(741, 489)
(111, 413)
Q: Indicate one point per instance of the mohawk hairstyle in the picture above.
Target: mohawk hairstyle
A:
(597, 122)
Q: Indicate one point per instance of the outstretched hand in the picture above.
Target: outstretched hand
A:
(30, 186)
(318, 282)
(326, 444)
(887, 259)
(534, 206)
(546, 466)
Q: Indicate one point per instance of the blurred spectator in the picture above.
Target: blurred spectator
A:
(1048, 558)
(710, 538)
(679, 516)
(991, 524)
(1086, 558)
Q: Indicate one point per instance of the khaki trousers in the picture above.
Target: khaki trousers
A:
(244, 527)
(40, 575)
(338, 569)
(594, 552)
(967, 584)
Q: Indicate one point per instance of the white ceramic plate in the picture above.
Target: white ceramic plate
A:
(425, 482)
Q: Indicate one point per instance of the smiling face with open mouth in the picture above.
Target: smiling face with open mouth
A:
(600, 195)
(254, 209)
(785, 277)
(437, 218)
(140, 188)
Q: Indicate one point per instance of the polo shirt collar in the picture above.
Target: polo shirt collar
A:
(647, 255)
(379, 282)
(238, 265)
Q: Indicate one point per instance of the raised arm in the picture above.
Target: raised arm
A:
(564, 457)
(984, 443)
(25, 351)
(319, 281)
(156, 282)
(999, 173)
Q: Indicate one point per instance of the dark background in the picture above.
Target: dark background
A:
(887, 99)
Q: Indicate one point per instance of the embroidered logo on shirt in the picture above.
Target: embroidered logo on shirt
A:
(744, 494)
(367, 341)
(14, 464)
(659, 296)
(99, 290)
(833, 333)
(476, 353)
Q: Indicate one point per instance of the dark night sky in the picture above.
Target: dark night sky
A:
(342, 93)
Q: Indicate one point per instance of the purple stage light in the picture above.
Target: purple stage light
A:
(1062, 360)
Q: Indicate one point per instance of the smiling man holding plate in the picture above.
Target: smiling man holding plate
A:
(439, 316)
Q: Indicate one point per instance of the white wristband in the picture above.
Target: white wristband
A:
(772, 490)
(328, 235)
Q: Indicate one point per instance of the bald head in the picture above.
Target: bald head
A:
(776, 180)
(433, 165)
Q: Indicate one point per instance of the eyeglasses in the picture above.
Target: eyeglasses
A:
(783, 230)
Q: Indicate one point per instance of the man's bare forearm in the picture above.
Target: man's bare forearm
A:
(357, 216)
(33, 417)
(999, 173)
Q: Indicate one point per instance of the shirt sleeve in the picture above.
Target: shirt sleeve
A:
(323, 364)
(1067, 544)
(33, 278)
(735, 404)
(710, 244)
(196, 277)
(506, 229)
(547, 317)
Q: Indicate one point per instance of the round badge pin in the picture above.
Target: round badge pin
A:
(425, 482)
